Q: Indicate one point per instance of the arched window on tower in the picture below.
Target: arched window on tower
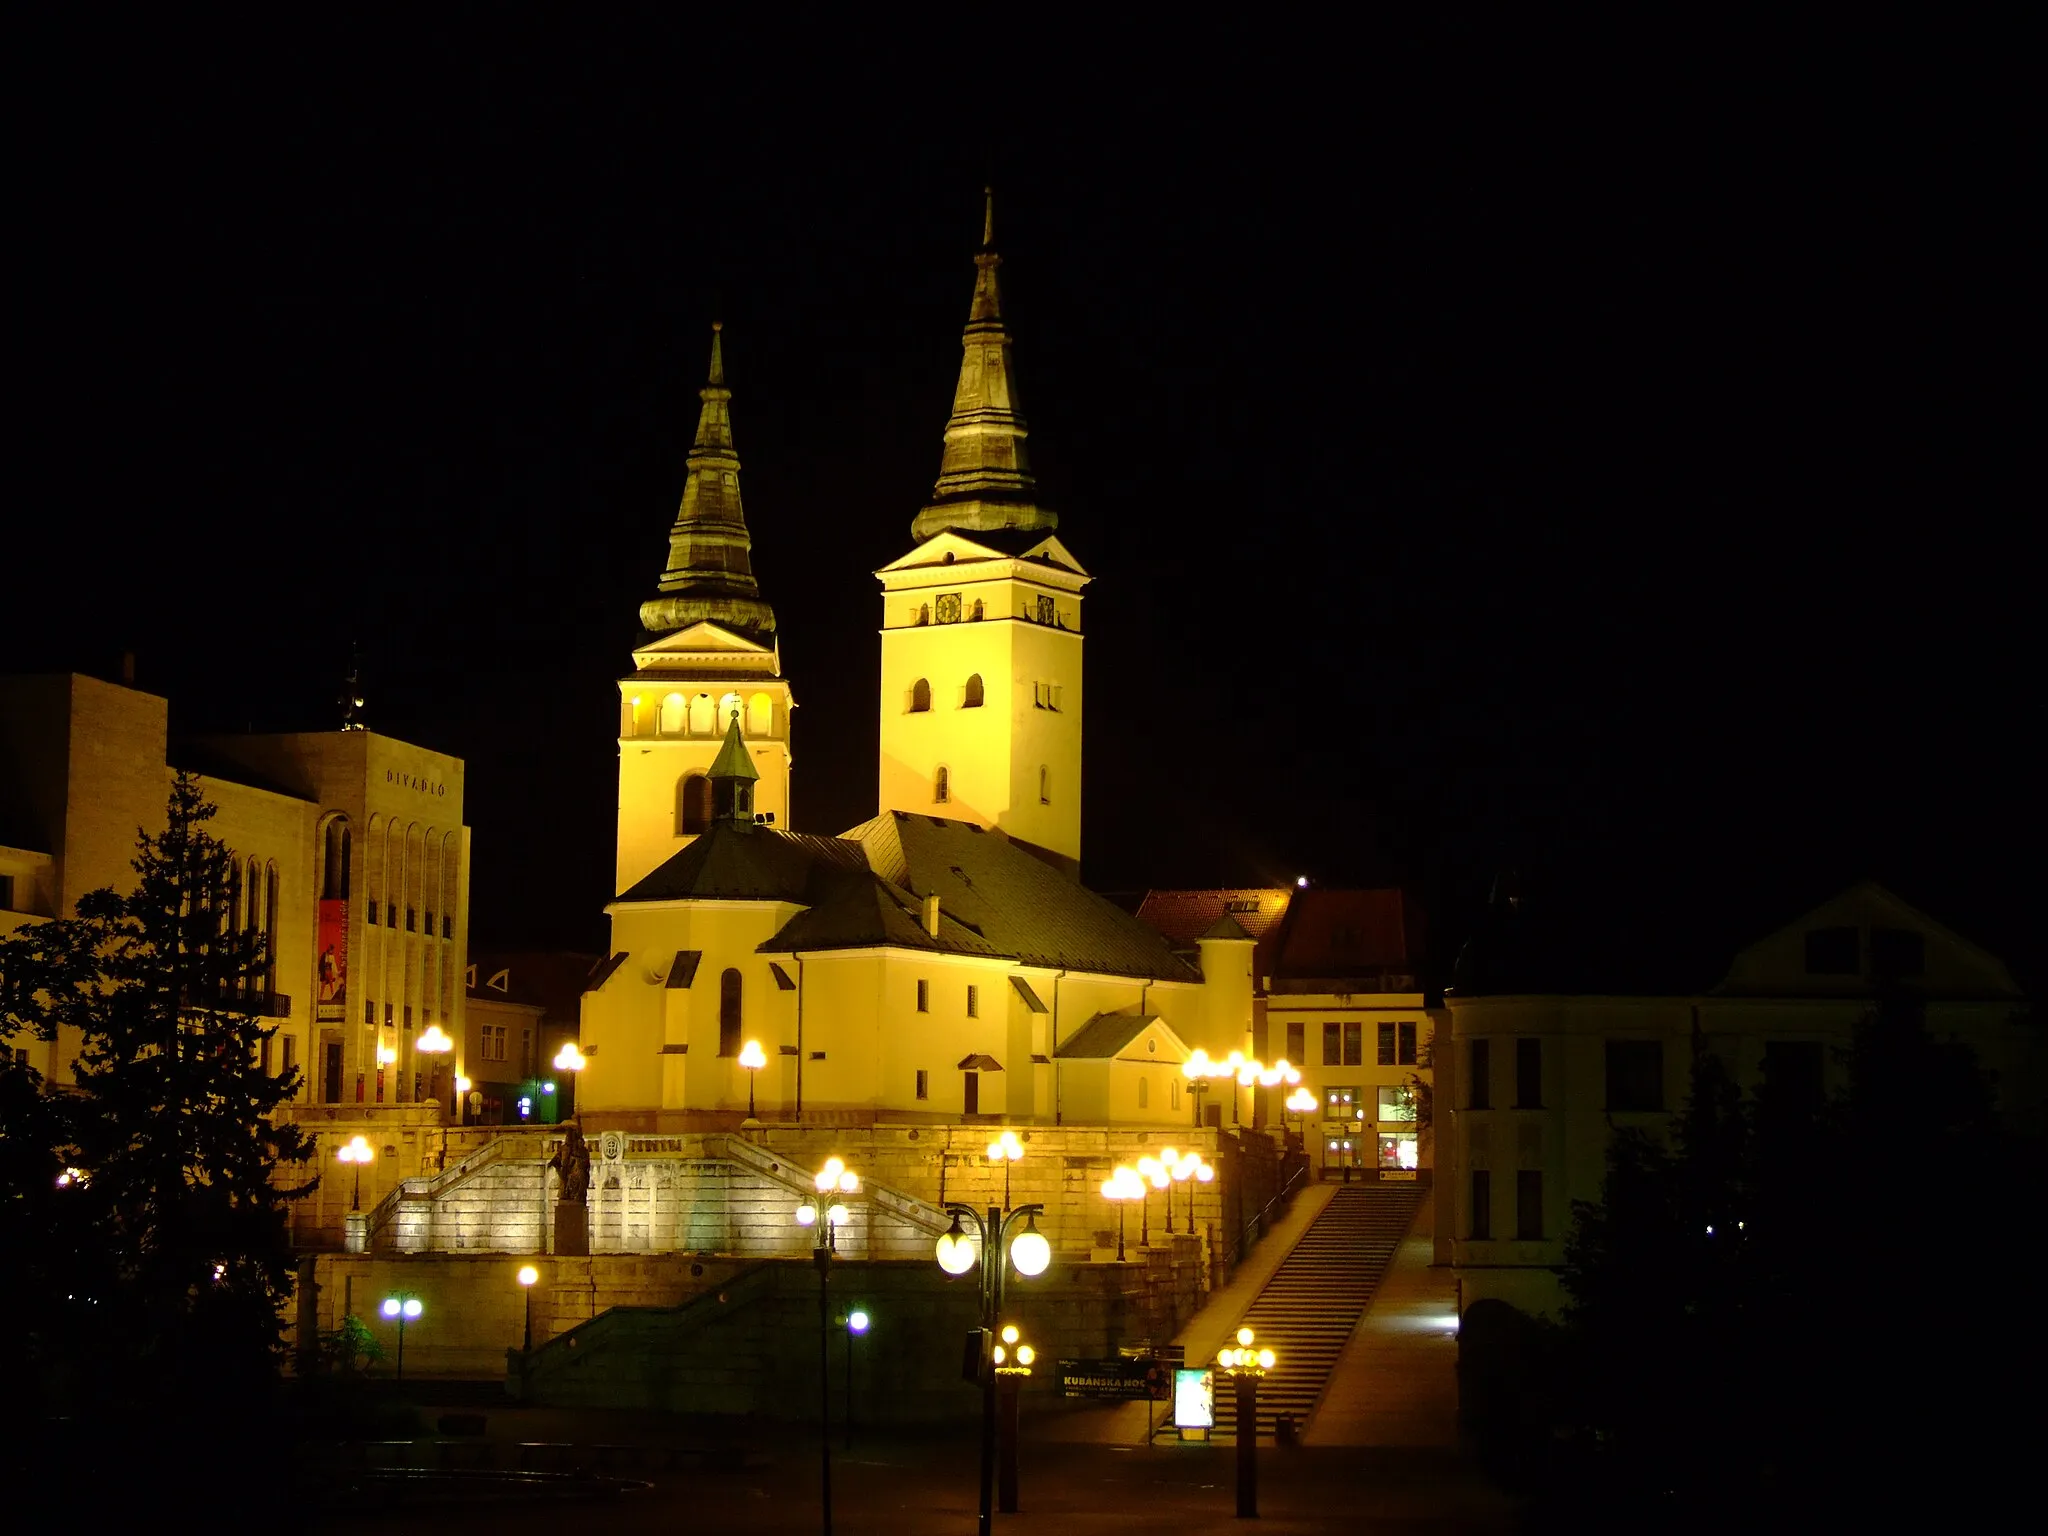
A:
(920, 696)
(672, 715)
(729, 1013)
(728, 706)
(701, 723)
(760, 715)
(971, 699)
(1046, 613)
(975, 611)
(924, 613)
(693, 804)
(941, 789)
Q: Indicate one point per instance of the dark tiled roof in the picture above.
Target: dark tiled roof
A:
(1106, 1034)
(734, 861)
(1345, 935)
(858, 911)
(1022, 907)
(1187, 916)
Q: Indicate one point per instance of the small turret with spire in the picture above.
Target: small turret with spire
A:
(985, 479)
(710, 571)
(733, 778)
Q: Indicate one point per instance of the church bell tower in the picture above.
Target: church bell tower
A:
(707, 655)
(981, 621)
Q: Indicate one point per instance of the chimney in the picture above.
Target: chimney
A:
(128, 669)
(931, 914)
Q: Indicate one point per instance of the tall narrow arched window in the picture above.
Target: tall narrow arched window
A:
(975, 611)
(920, 696)
(1044, 785)
(924, 613)
(672, 715)
(729, 1013)
(1144, 1093)
(270, 926)
(693, 804)
(760, 715)
(972, 698)
(728, 706)
(941, 787)
(700, 716)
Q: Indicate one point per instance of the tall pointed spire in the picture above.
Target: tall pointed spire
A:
(710, 571)
(985, 479)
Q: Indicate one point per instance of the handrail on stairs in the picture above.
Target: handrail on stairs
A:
(1251, 1227)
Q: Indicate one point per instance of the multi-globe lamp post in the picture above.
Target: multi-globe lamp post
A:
(994, 1243)
(570, 1059)
(1302, 1103)
(1190, 1168)
(1246, 1367)
(1012, 1358)
(1121, 1188)
(402, 1309)
(356, 1152)
(435, 1041)
(826, 1214)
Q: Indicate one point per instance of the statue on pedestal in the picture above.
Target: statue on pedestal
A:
(572, 1218)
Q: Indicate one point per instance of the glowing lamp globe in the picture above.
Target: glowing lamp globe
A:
(528, 1275)
(955, 1252)
(1030, 1252)
(857, 1321)
(806, 1214)
(1026, 1354)
(412, 1307)
(1244, 1335)
(391, 1306)
(752, 1057)
(1266, 1359)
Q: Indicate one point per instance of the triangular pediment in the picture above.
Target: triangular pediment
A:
(1847, 945)
(955, 548)
(702, 639)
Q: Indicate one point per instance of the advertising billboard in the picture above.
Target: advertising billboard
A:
(331, 982)
(1194, 1402)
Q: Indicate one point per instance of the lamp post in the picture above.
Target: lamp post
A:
(1247, 1366)
(404, 1308)
(1155, 1173)
(386, 1056)
(856, 1326)
(528, 1275)
(462, 1087)
(1030, 1253)
(435, 1042)
(1301, 1101)
(1191, 1168)
(753, 1059)
(835, 1178)
(357, 1152)
(1122, 1187)
(1013, 1359)
(1006, 1149)
(570, 1059)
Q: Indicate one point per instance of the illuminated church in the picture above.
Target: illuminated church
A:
(941, 959)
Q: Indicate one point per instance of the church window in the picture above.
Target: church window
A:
(974, 613)
(940, 787)
(1144, 1093)
(693, 804)
(973, 1001)
(949, 608)
(672, 715)
(1173, 1093)
(924, 1083)
(1044, 785)
(924, 997)
(729, 1013)
(760, 715)
(924, 614)
(1046, 613)
(700, 715)
(972, 698)
(920, 696)
(728, 706)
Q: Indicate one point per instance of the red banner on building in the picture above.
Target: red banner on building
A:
(332, 982)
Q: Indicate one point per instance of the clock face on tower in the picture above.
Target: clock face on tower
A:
(949, 608)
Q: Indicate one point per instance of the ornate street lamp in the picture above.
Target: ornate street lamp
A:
(1155, 1174)
(753, 1058)
(1122, 1187)
(404, 1308)
(1029, 1253)
(1006, 1149)
(357, 1152)
(1012, 1357)
(1247, 1367)
(1190, 1168)
(1301, 1101)
(435, 1042)
(527, 1277)
(832, 1180)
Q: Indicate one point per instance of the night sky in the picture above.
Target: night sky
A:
(1594, 453)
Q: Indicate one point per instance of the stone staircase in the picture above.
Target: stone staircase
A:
(1308, 1309)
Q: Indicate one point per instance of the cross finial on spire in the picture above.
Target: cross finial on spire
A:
(717, 354)
(988, 217)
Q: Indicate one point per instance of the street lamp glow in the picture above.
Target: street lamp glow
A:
(391, 1306)
(528, 1275)
(1244, 1336)
(857, 1321)
(807, 1213)
(955, 1253)
(569, 1058)
(836, 1214)
(463, 1085)
(1005, 1148)
(434, 1040)
(1029, 1250)
(752, 1057)
(386, 1055)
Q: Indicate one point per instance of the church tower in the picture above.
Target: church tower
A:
(708, 654)
(981, 622)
